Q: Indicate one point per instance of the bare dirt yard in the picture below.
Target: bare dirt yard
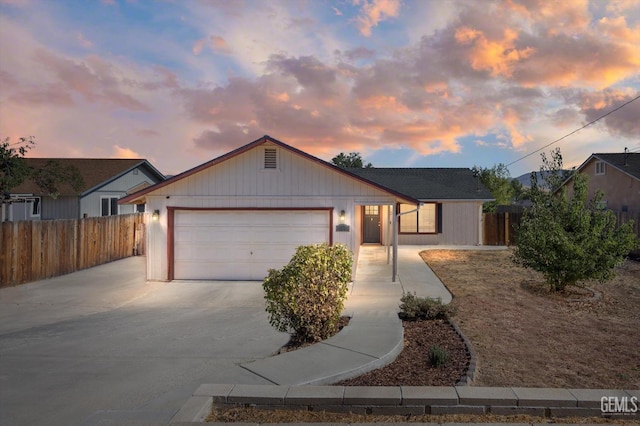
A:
(524, 336)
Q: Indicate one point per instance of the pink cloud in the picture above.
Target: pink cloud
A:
(375, 11)
(83, 41)
(120, 152)
(93, 79)
(215, 43)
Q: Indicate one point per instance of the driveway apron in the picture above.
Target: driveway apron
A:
(102, 346)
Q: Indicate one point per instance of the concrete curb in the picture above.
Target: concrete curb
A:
(416, 400)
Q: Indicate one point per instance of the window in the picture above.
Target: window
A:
(270, 158)
(140, 208)
(600, 168)
(422, 222)
(109, 206)
(35, 207)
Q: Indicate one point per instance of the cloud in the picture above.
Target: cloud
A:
(336, 11)
(215, 43)
(83, 41)
(623, 122)
(198, 46)
(94, 79)
(512, 74)
(147, 133)
(375, 11)
(120, 152)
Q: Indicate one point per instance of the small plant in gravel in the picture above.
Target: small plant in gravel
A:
(415, 308)
(305, 297)
(438, 356)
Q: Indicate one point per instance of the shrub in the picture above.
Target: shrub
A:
(415, 308)
(438, 356)
(306, 296)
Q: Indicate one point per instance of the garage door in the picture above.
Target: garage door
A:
(241, 245)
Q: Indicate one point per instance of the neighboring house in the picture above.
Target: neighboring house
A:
(617, 176)
(105, 182)
(240, 214)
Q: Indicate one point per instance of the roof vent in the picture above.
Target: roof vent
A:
(270, 158)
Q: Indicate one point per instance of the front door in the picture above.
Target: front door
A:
(371, 225)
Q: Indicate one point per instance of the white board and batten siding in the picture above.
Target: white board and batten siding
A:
(242, 182)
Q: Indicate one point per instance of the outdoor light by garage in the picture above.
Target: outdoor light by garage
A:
(343, 216)
(156, 215)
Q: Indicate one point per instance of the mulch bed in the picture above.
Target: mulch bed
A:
(412, 367)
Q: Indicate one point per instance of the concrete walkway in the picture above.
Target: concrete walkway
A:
(374, 336)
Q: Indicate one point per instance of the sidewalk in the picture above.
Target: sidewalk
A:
(374, 336)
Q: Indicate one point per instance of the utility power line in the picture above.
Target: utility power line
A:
(575, 131)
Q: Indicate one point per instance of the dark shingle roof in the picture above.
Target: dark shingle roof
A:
(630, 164)
(94, 171)
(428, 183)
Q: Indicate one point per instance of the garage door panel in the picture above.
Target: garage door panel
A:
(242, 245)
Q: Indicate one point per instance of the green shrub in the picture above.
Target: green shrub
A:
(423, 308)
(306, 296)
(438, 356)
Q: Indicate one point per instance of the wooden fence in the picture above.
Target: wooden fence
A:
(499, 228)
(34, 250)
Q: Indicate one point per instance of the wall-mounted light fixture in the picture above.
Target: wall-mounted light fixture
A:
(343, 216)
(156, 215)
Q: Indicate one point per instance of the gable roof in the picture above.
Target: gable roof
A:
(628, 162)
(96, 173)
(429, 183)
(136, 197)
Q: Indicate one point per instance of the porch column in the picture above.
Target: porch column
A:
(395, 245)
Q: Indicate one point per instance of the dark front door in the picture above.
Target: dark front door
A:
(371, 225)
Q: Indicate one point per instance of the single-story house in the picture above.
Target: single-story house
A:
(105, 181)
(236, 216)
(617, 175)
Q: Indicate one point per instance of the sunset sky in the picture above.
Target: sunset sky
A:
(406, 83)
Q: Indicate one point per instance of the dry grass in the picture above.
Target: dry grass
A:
(524, 336)
(258, 416)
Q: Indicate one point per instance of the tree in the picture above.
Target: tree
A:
(570, 240)
(13, 168)
(50, 177)
(353, 160)
(497, 179)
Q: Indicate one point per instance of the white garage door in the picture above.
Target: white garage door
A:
(241, 245)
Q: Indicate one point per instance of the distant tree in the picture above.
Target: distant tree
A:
(13, 168)
(50, 177)
(497, 179)
(519, 192)
(570, 240)
(353, 160)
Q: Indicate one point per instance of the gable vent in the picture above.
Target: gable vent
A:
(270, 158)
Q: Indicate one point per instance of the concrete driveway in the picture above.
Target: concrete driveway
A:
(102, 346)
